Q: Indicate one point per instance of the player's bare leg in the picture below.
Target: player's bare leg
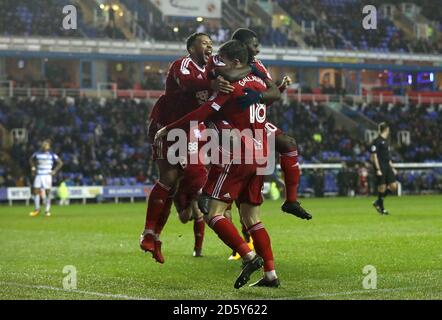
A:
(47, 203)
(198, 229)
(227, 232)
(287, 148)
(250, 216)
(36, 211)
(159, 203)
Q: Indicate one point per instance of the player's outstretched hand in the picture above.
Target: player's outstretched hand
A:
(222, 85)
(250, 97)
(286, 81)
(257, 72)
(160, 134)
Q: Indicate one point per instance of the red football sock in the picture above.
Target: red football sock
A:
(290, 167)
(263, 247)
(227, 232)
(155, 206)
(162, 219)
(198, 230)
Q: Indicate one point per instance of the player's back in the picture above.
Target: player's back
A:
(250, 121)
(252, 117)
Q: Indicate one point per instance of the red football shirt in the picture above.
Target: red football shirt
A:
(227, 108)
(187, 87)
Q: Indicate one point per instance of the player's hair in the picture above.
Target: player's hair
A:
(234, 49)
(192, 38)
(383, 126)
(244, 35)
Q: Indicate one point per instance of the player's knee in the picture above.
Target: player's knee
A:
(196, 213)
(208, 217)
(170, 180)
(169, 175)
(249, 216)
(250, 221)
(285, 143)
(392, 186)
(382, 188)
(228, 214)
(184, 215)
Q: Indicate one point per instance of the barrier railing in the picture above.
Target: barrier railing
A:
(100, 193)
(111, 90)
(139, 47)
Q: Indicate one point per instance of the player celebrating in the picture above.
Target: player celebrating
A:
(285, 145)
(383, 166)
(187, 86)
(237, 181)
(42, 163)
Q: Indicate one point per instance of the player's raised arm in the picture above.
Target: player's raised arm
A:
(198, 115)
(272, 94)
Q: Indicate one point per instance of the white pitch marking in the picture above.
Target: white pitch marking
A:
(92, 293)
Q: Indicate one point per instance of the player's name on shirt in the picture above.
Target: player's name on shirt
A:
(251, 78)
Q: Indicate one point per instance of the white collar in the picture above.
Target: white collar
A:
(196, 65)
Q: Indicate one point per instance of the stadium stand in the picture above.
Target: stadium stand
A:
(327, 24)
(102, 141)
(335, 27)
(44, 18)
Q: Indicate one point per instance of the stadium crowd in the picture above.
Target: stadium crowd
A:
(45, 17)
(334, 26)
(102, 142)
(34, 18)
(329, 24)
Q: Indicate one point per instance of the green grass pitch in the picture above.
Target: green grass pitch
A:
(318, 259)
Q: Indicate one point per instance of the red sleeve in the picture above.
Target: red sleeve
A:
(260, 66)
(210, 67)
(202, 113)
(186, 80)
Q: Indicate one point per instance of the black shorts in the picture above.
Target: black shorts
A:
(387, 177)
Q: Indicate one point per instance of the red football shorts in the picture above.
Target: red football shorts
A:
(195, 176)
(235, 182)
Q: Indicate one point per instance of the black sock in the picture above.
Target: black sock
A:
(381, 196)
